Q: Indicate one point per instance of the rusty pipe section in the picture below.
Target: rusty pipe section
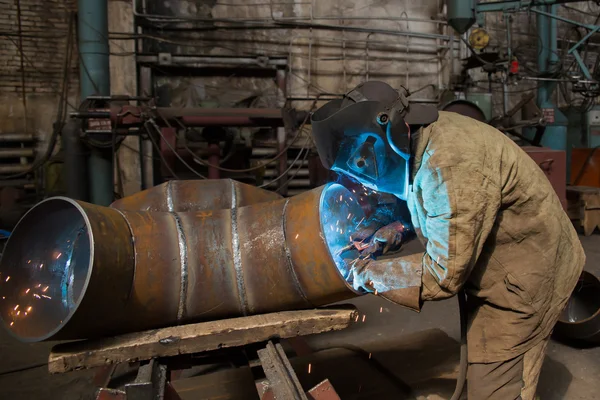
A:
(182, 252)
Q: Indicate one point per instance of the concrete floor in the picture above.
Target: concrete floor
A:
(406, 349)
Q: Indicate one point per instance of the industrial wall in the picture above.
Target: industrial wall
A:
(330, 46)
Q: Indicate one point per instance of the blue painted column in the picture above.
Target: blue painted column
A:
(94, 79)
(555, 136)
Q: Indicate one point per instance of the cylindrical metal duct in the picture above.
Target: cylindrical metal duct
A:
(580, 320)
(179, 253)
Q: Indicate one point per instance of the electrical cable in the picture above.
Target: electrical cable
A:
(157, 148)
(284, 173)
(295, 172)
(157, 129)
(464, 359)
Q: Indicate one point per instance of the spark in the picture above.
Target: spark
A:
(28, 290)
(359, 222)
(380, 309)
(39, 285)
(364, 317)
(29, 309)
(18, 312)
(376, 292)
(48, 297)
(3, 298)
(45, 289)
(349, 214)
(341, 197)
(353, 191)
(37, 296)
(25, 313)
(16, 307)
(28, 261)
(309, 368)
(356, 319)
(58, 256)
(331, 226)
(342, 231)
(7, 279)
(297, 234)
(337, 222)
(12, 323)
(369, 356)
(41, 265)
(350, 198)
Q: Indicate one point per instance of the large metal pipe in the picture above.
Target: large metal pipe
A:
(16, 137)
(94, 79)
(179, 253)
(16, 152)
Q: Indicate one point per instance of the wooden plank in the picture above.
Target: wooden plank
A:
(194, 338)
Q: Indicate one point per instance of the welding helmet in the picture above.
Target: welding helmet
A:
(366, 136)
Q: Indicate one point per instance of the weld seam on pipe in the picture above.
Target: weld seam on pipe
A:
(288, 254)
(184, 267)
(170, 205)
(237, 257)
(134, 251)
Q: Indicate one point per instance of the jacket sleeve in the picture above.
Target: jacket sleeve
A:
(461, 206)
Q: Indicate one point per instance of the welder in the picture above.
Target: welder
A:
(490, 222)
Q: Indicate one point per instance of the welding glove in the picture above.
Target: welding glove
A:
(386, 239)
(395, 279)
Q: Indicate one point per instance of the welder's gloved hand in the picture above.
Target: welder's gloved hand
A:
(386, 239)
(395, 279)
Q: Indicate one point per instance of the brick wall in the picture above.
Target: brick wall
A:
(44, 27)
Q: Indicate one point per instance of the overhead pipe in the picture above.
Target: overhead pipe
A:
(94, 80)
(182, 252)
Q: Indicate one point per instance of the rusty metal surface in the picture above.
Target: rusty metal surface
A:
(110, 394)
(282, 379)
(170, 265)
(195, 195)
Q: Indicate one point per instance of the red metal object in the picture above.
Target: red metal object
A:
(110, 394)
(323, 391)
(213, 159)
(554, 165)
(169, 138)
(585, 167)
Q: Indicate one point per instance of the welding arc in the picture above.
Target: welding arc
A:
(256, 167)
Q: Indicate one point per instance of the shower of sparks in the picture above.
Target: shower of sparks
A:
(7, 279)
(48, 297)
(309, 368)
(364, 317)
(27, 291)
(37, 296)
(297, 234)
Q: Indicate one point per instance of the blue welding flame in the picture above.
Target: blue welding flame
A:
(341, 216)
(344, 212)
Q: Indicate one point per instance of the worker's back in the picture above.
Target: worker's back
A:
(532, 258)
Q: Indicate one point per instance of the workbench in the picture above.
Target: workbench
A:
(163, 353)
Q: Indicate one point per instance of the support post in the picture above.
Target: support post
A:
(94, 78)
